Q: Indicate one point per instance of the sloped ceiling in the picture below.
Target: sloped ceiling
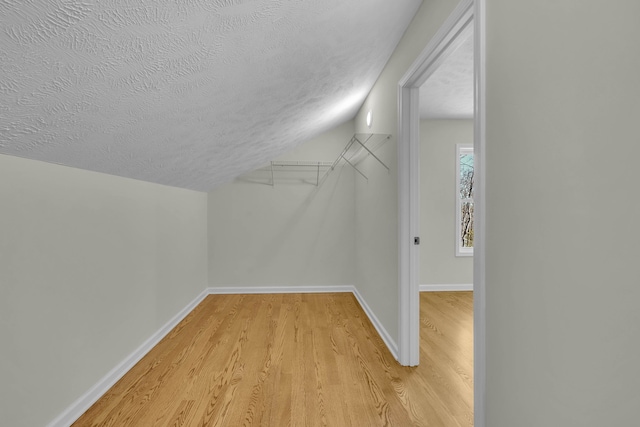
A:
(186, 93)
(448, 92)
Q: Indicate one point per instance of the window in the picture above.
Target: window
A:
(464, 200)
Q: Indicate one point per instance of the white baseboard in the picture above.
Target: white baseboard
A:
(389, 342)
(277, 289)
(84, 402)
(446, 288)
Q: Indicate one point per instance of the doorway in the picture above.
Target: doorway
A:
(467, 18)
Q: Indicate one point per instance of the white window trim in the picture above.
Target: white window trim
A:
(460, 250)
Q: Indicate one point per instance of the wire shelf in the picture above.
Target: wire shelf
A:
(359, 147)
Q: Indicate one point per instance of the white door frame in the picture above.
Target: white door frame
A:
(444, 42)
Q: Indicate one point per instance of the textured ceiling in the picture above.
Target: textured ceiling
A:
(189, 93)
(448, 92)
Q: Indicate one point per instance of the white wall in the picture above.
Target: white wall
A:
(439, 264)
(90, 266)
(377, 199)
(562, 250)
(290, 234)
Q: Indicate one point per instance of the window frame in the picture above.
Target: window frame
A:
(461, 251)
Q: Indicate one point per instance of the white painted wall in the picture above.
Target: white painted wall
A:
(563, 322)
(290, 234)
(377, 199)
(91, 265)
(438, 261)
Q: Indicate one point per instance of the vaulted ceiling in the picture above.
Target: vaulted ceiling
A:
(185, 93)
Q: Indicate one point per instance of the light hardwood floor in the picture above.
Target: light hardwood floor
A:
(297, 360)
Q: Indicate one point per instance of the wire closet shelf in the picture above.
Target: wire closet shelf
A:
(360, 146)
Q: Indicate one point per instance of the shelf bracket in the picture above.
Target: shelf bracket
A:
(273, 181)
(353, 166)
(370, 152)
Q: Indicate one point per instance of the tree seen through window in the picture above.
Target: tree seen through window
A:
(465, 200)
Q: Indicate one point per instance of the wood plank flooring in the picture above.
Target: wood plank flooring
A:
(297, 360)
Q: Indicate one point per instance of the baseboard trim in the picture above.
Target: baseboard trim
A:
(221, 290)
(84, 402)
(446, 288)
(386, 338)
